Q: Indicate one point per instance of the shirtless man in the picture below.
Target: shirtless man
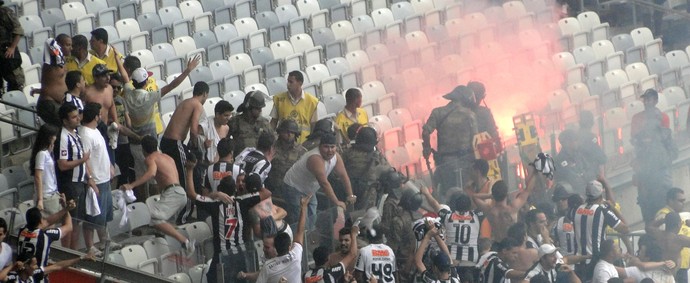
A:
(668, 240)
(102, 93)
(173, 198)
(345, 238)
(185, 116)
(186, 119)
(498, 211)
(53, 86)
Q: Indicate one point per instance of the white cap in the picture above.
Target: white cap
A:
(594, 189)
(546, 249)
(140, 75)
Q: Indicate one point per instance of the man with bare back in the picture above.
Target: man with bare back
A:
(184, 119)
(173, 198)
(668, 240)
(53, 86)
(499, 212)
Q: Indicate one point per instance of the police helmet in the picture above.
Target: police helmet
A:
(390, 179)
(366, 136)
(478, 89)
(253, 99)
(410, 200)
(420, 229)
(288, 125)
(324, 126)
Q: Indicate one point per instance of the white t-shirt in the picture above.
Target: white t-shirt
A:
(5, 255)
(44, 161)
(299, 176)
(604, 271)
(99, 161)
(377, 260)
(288, 266)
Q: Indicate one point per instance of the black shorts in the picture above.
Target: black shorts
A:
(75, 191)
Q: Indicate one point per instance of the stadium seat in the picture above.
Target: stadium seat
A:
(220, 68)
(73, 10)
(245, 26)
(180, 278)
(334, 103)
(494, 15)
(382, 17)
(276, 85)
(235, 97)
(129, 29)
(135, 257)
(17, 97)
(281, 49)
(260, 55)
(210, 104)
(14, 175)
(7, 132)
(422, 6)
(19, 220)
(337, 66)
(301, 42)
(577, 92)
(225, 32)
(317, 72)
(677, 59)
(186, 47)
(362, 23)
(200, 74)
(198, 273)
(286, 13)
(35, 31)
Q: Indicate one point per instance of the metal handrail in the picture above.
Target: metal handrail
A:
(645, 4)
(21, 107)
(18, 124)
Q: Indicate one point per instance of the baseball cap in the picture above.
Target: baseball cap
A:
(140, 75)
(594, 189)
(650, 92)
(560, 192)
(99, 70)
(546, 249)
(442, 261)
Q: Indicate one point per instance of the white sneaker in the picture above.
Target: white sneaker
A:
(190, 247)
(96, 252)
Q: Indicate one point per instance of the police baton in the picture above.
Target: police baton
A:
(428, 167)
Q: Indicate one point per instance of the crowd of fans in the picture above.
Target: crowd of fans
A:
(266, 180)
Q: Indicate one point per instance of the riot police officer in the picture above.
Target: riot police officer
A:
(246, 128)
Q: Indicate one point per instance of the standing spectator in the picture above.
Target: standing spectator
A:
(35, 238)
(102, 93)
(28, 268)
(125, 161)
(654, 154)
(295, 104)
(667, 244)
(81, 60)
(463, 226)
(563, 231)
(675, 200)
(53, 86)
(590, 221)
(246, 128)
(225, 166)
(527, 256)
(549, 266)
(456, 126)
(284, 256)
(141, 104)
(310, 173)
(42, 161)
(65, 43)
(498, 211)
(376, 259)
(441, 262)
(216, 129)
(537, 231)
(10, 61)
(76, 85)
(258, 160)
(106, 52)
(5, 249)
(364, 164)
(101, 170)
(325, 273)
(493, 265)
(479, 181)
(73, 175)
(173, 198)
(287, 152)
(610, 253)
(346, 239)
(351, 113)
(132, 63)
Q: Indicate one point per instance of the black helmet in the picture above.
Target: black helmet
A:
(253, 99)
(366, 136)
(410, 200)
(478, 89)
(288, 125)
(324, 126)
(390, 179)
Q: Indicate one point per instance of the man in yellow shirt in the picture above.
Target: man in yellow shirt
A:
(295, 104)
(81, 60)
(351, 113)
(106, 52)
(675, 200)
(132, 63)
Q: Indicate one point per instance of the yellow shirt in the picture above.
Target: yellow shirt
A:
(345, 119)
(151, 85)
(685, 231)
(85, 67)
(302, 111)
(110, 58)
